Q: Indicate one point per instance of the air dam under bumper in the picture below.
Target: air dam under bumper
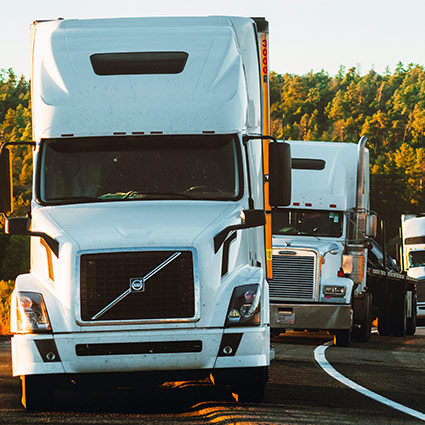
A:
(310, 316)
(138, 351)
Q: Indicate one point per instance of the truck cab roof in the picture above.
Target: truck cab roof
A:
(103, 76)
(324, 175)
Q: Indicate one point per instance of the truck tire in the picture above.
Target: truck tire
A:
(411, 321)
(252, 388)
(384, 318)
(342, 338)
(37, 392)
(399, 315)
(362, 330)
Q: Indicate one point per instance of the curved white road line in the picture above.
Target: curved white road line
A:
(319, 356)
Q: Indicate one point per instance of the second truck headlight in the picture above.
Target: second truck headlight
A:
(244, 308)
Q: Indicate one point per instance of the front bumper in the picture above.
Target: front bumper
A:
(310, 316)
(420, 310)
(139, 351)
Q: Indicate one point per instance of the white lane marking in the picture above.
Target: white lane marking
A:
(319, 356)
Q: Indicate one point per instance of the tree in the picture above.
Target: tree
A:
(15, 125)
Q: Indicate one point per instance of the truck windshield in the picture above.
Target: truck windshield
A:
(417, 259)
(146, 167)
(307, 222)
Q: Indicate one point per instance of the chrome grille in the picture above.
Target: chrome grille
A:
(104, 277)
(293, 277)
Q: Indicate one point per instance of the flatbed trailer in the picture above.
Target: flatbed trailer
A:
(394, 301)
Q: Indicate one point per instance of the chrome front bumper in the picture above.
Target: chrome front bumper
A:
(310, 316)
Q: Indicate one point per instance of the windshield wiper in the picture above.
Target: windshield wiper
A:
(74, 199)
(133, 194)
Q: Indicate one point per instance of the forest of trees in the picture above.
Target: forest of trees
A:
(389, 109)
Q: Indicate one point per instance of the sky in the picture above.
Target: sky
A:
(305, 35)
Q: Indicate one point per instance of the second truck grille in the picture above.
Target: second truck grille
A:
(293, 277)
(168, 293)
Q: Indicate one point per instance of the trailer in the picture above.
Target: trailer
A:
(394, 295)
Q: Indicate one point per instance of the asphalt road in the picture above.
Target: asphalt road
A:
(299, 391)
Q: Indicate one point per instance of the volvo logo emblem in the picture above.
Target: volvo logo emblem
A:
(137, 284)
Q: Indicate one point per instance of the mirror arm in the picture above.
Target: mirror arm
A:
(3, 145)
(220, 237)
(247, 137)
(51, 242)
(15, 226)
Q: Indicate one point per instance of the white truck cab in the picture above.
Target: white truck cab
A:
(148, 214)
(319, 249)
(413, 236)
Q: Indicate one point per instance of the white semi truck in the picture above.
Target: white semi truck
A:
(328, 273)
(413, 243)
(150, 216)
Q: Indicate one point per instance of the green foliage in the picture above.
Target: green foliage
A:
(389, 109)
(16, 259)
(15, 125)
(6, 288)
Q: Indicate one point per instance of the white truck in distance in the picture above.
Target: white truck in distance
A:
(322, 273)
(413, 236)
(148, 250)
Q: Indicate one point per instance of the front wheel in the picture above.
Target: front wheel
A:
(363, 329)
(37, 392)
(411, 321)
(399, 315)
(384, 317)
(252, 386)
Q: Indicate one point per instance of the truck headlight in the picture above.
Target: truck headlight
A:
(334, 291)
(31, 313)
(244, 308)
(347, 264)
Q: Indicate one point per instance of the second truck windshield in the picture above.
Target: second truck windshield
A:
(308, 223)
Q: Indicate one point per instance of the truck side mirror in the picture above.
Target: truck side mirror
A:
(280, 169)
(17, 226)
(6, 194)
(253, 218)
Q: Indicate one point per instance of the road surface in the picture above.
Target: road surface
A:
(299, 391)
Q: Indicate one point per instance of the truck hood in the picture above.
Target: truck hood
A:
(321, 245)
(131, 224)
(416, 272)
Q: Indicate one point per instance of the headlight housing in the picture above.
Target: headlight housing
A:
(347, 264)
(245, 307)
(31, 313)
